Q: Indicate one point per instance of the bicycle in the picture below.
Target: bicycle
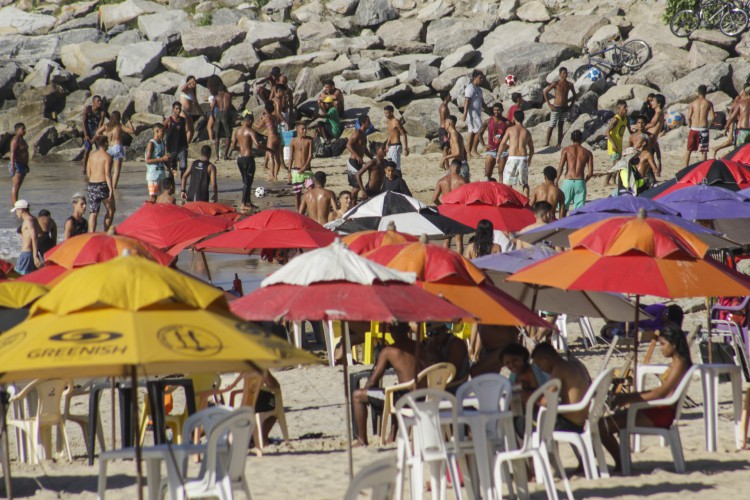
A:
(632, 55)
(730, 18)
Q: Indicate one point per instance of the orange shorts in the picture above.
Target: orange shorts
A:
(153, 188)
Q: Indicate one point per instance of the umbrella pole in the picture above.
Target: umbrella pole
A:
(708, 330)
(112, 402)
(136, 437)
(347, 348)
(208, 271)
(4, 438)
(635, 339)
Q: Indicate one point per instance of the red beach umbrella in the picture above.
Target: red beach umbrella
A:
(93, 248)
(505, 207)
(365, 241)
(213, 209)
(48, 275)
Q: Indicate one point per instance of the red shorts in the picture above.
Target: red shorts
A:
(698, 140)
(661, 416)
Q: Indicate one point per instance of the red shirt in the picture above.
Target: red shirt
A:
(495, 130)
(511, 111)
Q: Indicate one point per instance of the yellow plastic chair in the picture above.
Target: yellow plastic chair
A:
(252, 386)
(333, 330)
(376, 333)
(462, 330)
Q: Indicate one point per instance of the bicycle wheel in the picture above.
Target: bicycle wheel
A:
(635, 53)
(733, 22)
(580, 72)
(711, 12)
(684, 22)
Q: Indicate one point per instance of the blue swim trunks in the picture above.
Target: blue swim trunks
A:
(117, 152)
(20, 169)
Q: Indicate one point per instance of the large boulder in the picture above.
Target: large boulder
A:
(421, 73)
(45, 72)
(242, 57)
(82, 58)
(108, 88)
(459, 57)
(654, 33)
(197, 66)
(230, 17)
(437, 9)
(373, 13)
(357, 105)
(43, 141)
(531, 60)
(716, 76)
(80, 35)
(51, 97)
(399, 33)
(10, 73)
(343, 7)
(367, 40)
(328, 70)
(421, 118)
(261, 33)
(111, 15)
(25, 23)
(447, 35)
(163, 83)
(533, 12)
(506, 10)
(28, 50)
(291, 66)
(210, 41)
(398, 64)
(713, 37)
(163, 26)
(312, 12)
(374, 89)
(503, 38)
(139, 61)
(602, 36)
(574, 30)
(448, 78)
(306, 86)
(127, 37)
(367, 71)
(702, 53)
(609, 99)
(311, 35)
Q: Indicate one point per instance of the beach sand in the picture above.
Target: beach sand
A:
(313, 464)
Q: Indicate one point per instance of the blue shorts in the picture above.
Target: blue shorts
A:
(117, 152)
(25, 263)
(20, 169)
(88, 145)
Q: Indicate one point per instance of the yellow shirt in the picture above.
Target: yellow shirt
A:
(618, 132)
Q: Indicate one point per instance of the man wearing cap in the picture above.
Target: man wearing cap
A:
(330, 90)
(29, 259)
(331, 127)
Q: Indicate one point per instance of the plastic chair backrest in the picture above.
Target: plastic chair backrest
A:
(680, 392)
(49, 395)
(492, 390)
(597, 396)
(239, 424)
(437, 376)
(546, 415)
(251, 386)
(204, 419)
(427, 429)
(380, 477)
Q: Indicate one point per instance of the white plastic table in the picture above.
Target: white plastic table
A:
(710, 381)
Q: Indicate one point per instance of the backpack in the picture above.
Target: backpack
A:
(720, 121)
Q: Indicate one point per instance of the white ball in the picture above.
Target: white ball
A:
(594, 74)
(260, 192)
(674, 120)
(510, 80)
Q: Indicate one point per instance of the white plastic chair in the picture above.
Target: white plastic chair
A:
(537, 449)
(430, 446)
(671, 435)
(589, 443)
(587, 331)
(37, 429)
(379, 477)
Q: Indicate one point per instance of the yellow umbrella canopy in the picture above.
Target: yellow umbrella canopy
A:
(18, 294)
(130, 283)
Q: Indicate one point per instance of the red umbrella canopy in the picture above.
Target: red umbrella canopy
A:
(500, 204)
(93, 248)
(727, 174)
(5, 268)
(214, 209)
(362, 242)
(169, 227)
(270, 229)
(48, 275)
(740, 155)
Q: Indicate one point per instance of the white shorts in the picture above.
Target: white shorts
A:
(394, 154)
(516, 171)
(473, 121)
(287, 153)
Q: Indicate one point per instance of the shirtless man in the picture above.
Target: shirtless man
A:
(655, 128)
(262, 89)
(345, 204)
(167, 192)
(19, 161)
(376, 169)
(561, 106)
(93, 118)
(699, 118)
(456, 148)
(301, 156)
(448, 182)
(520, 152)
(114, 130)
(396, 132)
(318, 202)
(221, 105)
(99, 172)
(357, 147)
(400, 357)
(443, 137)
(640, 141)
(282, 104)
(29, 259)
(496, 126)
(574, 160)
(741, 115)
(330, 90)
(549, 192)
(543, 214)
(288, 99)
(246, 139)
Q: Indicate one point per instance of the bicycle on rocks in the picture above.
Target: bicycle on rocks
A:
(614, 57)
(729, 17)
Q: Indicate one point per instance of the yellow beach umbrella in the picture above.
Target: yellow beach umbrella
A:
(18, 294)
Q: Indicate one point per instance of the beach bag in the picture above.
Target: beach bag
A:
(322, 149)
(338, 146)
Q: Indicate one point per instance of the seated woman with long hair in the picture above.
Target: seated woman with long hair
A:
(673, 345)
(482, 243)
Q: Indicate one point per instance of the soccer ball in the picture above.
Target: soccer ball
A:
(510, 80)
(674, 120)
(594, 74)
(260, 192)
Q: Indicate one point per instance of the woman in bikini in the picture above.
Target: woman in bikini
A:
(271, 122)
(190, 108)
(114, 130)
(673, 345)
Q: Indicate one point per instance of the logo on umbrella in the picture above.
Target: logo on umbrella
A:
(85, 336)
(7, 341)
(190, 341)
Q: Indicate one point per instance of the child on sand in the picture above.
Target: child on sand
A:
(156, 160)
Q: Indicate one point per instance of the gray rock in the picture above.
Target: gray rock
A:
(373, 12)
(124, 104)
(368, 71)
(84, 81)
(275, 50)
(163, 83)
(140, 141)
(627, 92)
(50, 95)
(503, 38)
(111, 15)
(89, 21)
(146, 102)
(163, 26)
(263, 33)
(43, 141)
(357, 105)
(531, 60)
(291, 66)
(398, 64)
(506, 10)
(742, 48)
(210, 41)
(533, 12)
(602, 36)
(447, 35)
(139, 61)
(397, 94)
(702, 53)
(740, 74)
(127, 37)
(108, 88)
(278, 10)
(312, 12)
(400, 31)
(328, 70)
(196, 66)
(229, 17)
(459, 57)
(25, 23)
(713, 37)
(574, 30)
(716, 76)
(343, 7)
(80, 36)
(75, 12)
(653, 33)
(29, 49)
(374, 89)
(437, 9)
(367, 40)
(448, 78)
(587, 102)
(421, 118)
(82, 58)
(242, 57)
(312, 34)
(421, 73)
(306, 86)
(46, 72)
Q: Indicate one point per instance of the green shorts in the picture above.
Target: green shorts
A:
(743, 136)
(614, 158)
(575, 193)
(300, 178)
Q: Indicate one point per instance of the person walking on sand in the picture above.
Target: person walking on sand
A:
(29, 259)
(576, 168)
(561, 107)
(77, 224)
(100, 189)
(202, 175)
(357, 147)
(47, 231)
(741, 115)
(496, 126)
(473, 106)
(274, 145)
(19, 161)
(176, 134)
(93, 118)
(615, 133)
(655, 128)
(156, 160)
(222, 108)
(443, 137)
(448, 182)
(700, 116)
(318, 202)
(191, 111)
(246, 139)
(549, 192)
(114, 130)
(300, 155)
(456, 148)
(376, 173)
(396, 132)
(520, 152)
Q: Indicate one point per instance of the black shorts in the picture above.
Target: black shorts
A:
(223, 122)
(98, 192)
(443, 138)
(372, 192)
(351, 172)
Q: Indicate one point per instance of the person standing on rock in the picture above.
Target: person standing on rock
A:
(222, 105)
(443, 137)
(176, 139)
(114, 130)
(357, 147)
(496, 126)
(520, 147)
(741, 114)
(656, 126)
(561, 107)
(456, 148)
(577, 167)
(93, 118)
(202, 175)
(615, 133)
(699, 118)
(246, 138)
(100, 189)
(396, 131)
(330, 90)
(19, 161)
(473, 106)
